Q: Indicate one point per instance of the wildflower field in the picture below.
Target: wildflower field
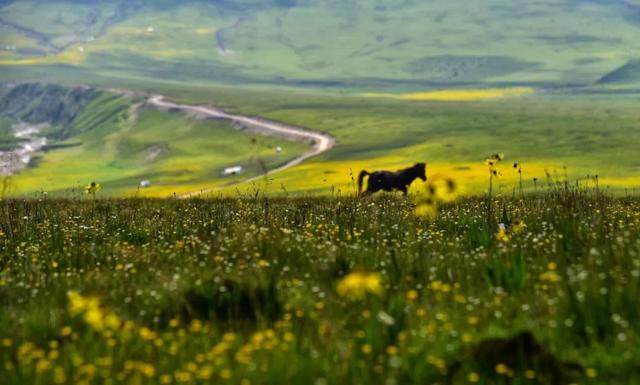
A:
(531, 289)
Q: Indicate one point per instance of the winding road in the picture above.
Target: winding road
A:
(320, 142)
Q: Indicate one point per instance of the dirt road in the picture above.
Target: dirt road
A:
(320, 142)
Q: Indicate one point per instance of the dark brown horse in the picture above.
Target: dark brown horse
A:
(392, 180)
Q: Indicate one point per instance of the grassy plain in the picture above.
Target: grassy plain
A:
(251, 291)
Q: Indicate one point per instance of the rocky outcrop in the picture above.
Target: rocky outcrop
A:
(37, 103)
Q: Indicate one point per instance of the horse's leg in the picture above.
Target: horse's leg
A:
(371, 189)
(366, 193)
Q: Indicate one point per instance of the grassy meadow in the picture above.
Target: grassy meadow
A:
(553, 136)
(321, 290)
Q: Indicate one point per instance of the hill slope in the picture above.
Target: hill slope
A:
(118, 141)
(366, 42)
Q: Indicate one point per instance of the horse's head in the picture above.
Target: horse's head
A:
(421, 171)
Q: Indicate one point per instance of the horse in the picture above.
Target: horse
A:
(392, 180)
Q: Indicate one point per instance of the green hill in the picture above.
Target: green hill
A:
(118, 141)
(626, 74)
(366, 43)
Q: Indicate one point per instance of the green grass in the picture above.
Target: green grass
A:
(252, 291)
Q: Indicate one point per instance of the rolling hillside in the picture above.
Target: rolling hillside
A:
(119, 141)
(364, 43)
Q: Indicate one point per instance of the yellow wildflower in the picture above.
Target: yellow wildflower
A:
(443, 189)
(502, 235)
(550, 276)
(517, 226)
(92, 188)
(504, 370)
(225, 374)
(356, 285)
(426, 208)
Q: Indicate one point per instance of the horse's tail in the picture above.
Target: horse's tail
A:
(363, 173)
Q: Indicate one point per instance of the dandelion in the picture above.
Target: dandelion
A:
(502, 235)
(517, 226)
(426, 208)
(550, 276)
(438, 363)
(92, 189)
(591, 373)
(437, 190)
(443, 189)
(503, 370)
(59, 375)
(356, 285)
(412, 295)
(473, 377)
(492, 161)
(93, 315)
(146, 333)
(518, 167)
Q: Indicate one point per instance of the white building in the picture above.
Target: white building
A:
(232, 171)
